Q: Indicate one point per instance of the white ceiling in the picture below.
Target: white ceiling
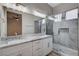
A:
(53, 4)
(40, 7)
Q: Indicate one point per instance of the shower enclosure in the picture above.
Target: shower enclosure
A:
(66, 34)
(40, 26)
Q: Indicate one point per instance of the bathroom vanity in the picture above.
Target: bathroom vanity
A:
(15, 42)
(36, 45)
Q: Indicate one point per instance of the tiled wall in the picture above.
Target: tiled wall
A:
(67, 39)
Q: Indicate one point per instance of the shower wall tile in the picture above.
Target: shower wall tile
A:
(67, 39)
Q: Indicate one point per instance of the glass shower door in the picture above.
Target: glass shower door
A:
(66, 34)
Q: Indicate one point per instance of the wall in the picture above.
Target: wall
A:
(3, 21)
(64, 7)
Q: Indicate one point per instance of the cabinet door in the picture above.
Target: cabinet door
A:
(45, 47)
(26, 49)
(50, 44)
(37, 48)
(10, 51)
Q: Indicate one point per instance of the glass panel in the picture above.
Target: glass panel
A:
(65, 37)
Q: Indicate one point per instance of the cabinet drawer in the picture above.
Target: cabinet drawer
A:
(9, 50)
(37, 43)
(26, 45)
(38, 53)
(26, 51)
(37, 49)
(14, 54)
(14, 49)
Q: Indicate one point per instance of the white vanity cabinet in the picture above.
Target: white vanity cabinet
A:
(13, 50)
(18, 50)
(47, 45)
(26, 49)
(50, 44)
(38, 47)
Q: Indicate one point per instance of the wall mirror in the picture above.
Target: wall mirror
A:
(14, 24)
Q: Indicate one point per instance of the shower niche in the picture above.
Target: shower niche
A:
(63, 30)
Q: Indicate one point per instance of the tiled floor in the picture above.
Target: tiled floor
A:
(53, 54)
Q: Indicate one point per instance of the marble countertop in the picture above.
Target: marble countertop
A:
(22, 40)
